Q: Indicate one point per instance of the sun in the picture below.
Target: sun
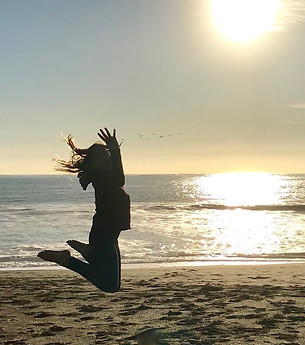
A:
(244, 20)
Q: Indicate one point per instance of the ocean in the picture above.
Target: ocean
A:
(176, 219)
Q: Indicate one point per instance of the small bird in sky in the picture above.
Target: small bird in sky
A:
(161, 136)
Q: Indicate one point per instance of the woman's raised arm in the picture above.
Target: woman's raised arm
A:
(113, 146)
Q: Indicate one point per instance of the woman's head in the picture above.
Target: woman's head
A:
(98, 158)
(91, 161)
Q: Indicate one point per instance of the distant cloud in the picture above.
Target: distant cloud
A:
(291, 13)
(298, 105)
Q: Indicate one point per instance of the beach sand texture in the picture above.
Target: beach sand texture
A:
(259, 304)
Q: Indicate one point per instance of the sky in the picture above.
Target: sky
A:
(183, 97)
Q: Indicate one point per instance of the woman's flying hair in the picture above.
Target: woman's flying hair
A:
(79, 157)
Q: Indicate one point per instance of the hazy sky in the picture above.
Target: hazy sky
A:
(150, 67)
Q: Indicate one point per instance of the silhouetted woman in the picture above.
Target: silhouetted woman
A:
(100, 165)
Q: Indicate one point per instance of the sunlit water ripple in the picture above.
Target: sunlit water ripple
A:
(175, 218)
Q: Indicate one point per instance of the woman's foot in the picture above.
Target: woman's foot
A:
(61, 257)
(82, 248)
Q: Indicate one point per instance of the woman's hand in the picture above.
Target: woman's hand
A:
(110, 140)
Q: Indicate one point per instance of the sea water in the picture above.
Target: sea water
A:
(176, 219)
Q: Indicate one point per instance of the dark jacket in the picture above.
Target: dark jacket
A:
(111, 201)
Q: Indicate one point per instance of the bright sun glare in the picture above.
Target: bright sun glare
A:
(242, 189)
(243, 20)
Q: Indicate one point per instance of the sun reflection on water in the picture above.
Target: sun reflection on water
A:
(242, 189)
(246, 232)
(241, 231)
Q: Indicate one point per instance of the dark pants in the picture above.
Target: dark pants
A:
(103, 268)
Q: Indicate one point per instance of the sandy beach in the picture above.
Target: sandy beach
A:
(261, 304)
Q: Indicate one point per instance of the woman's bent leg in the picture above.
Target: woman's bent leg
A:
(104, 267)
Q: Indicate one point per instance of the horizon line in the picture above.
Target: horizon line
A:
(134, 174)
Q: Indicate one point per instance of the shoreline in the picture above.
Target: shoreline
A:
(191, 264)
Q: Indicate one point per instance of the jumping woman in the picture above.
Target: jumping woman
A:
(100, 165)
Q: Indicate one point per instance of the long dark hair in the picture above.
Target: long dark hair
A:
(80, 159)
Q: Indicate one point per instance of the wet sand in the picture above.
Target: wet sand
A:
(258, 304)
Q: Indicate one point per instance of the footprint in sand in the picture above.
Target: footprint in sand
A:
(51, 331)
(90, 309)
(209, 288)
(70, 314)
(42, 315)
(269, 322)
(86, 318)
(174, 313)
